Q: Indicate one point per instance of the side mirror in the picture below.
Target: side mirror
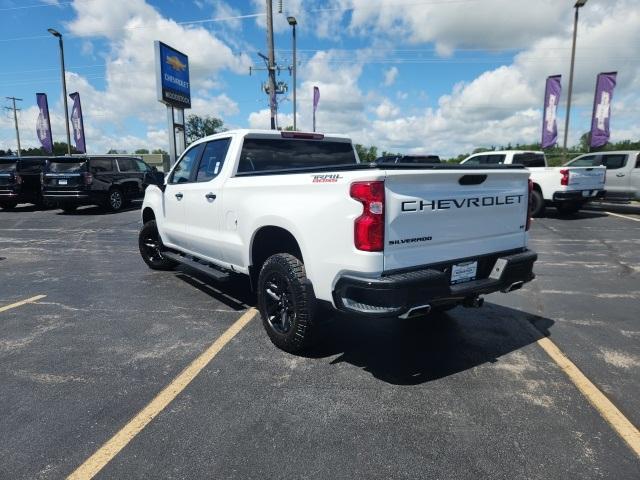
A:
(162, 187)
(154, 169)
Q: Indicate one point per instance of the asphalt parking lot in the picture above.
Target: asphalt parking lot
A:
(471, 394)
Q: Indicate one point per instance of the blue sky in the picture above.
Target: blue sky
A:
(443, 76)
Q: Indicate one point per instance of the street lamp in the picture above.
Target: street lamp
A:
(577, 6)
(292, 21)
(55, 33)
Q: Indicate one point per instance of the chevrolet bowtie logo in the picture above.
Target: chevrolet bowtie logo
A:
(176, 64)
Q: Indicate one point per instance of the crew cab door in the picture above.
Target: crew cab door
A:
(181, 177)
(203, 202)
(618, 174)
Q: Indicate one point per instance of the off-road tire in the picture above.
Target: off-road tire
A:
(152, 254)
(287, 273)
(537, 204)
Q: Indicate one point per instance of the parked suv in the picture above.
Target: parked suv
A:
(20, 181)
(109, 181)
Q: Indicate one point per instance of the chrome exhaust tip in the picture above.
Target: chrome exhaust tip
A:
(513, 286)
(416, 312)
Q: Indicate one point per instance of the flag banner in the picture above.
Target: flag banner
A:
(605, 84)
(78, 123)
(43, 125)
(549, 120)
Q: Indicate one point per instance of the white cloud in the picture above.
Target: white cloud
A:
(390, 76)
(386, 109)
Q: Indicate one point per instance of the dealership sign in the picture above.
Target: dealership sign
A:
(172, 76)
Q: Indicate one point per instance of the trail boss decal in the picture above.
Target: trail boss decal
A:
(449, 203)
(326, 178)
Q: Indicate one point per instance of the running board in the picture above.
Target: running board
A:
(205, 268)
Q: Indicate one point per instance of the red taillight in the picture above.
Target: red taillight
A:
(368, 231)
(88, 178)
(565, 177)
(529, 206)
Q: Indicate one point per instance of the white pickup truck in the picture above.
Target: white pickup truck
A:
(566, 188)
(311, 225)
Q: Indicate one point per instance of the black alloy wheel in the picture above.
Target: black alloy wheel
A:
(116, 200)
(151, 247)
(280, 304)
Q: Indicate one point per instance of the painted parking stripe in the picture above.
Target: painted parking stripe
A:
(115, 444)
(623, 216)
(608, 410)
(21, 302)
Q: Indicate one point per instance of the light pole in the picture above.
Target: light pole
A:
(577, 6)
(292, 21)
(55, 33)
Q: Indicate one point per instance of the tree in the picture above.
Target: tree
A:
(197, 127)
(367, 154)
(141, 151)
(159, 151)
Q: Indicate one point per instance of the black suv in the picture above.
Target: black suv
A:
(20, 181)
(109, 181)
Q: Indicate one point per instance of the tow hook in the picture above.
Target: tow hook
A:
(475, 302)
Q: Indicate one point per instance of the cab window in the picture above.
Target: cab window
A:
(615, 161)
(586, 161)
(141, 166)
(101, 165)
(185, 168)
(126, 165)
(496, 159)
(476, 160)
(212, 159)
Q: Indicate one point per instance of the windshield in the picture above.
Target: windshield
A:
(262, 154)
(56, 166)
(7, 166)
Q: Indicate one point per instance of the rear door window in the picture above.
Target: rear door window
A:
(614, 161)
(495, 159)
(212, 159)
(529, 160)
(127, 165)
(477, 160)
(262, 154)
(101, 165)
(184, 170)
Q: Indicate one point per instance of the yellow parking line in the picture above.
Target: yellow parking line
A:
(623, 216)
(608, 410)
(21, 302)
(109, 450)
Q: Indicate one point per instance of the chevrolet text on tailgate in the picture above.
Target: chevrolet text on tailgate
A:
(311, 225)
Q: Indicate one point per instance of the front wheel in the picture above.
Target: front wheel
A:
(286, 303)
(151, 247)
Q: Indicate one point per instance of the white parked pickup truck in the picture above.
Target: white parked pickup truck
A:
(566, 188)
(311, 225)
(623, 172)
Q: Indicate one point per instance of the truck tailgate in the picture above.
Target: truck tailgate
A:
(444, 215)
(586, 178)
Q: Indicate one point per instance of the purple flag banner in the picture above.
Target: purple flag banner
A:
(316, 99)
(549, 121)
(43, 124)
(605, 84)
(78, 123)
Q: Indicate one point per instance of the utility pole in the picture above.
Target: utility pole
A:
(293, 22)
(271, 66)
(15, 120)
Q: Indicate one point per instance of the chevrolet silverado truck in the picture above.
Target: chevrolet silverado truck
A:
(312, 226)
(566, 188)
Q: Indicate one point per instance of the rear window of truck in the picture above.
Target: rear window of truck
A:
(529, 160)
(66, 167)
(262, 155)
(7, 166)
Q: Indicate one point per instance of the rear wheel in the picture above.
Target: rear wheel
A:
(568, 208)
(286, 303)
(537, 203)
(8, 205)
(115, 200)
(151, 247)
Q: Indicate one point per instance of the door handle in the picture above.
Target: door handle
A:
(619, 174)
(210, 196)
(179, 196)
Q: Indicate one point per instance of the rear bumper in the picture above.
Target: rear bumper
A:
(71, 196)
(577, 195)
(394, 295)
